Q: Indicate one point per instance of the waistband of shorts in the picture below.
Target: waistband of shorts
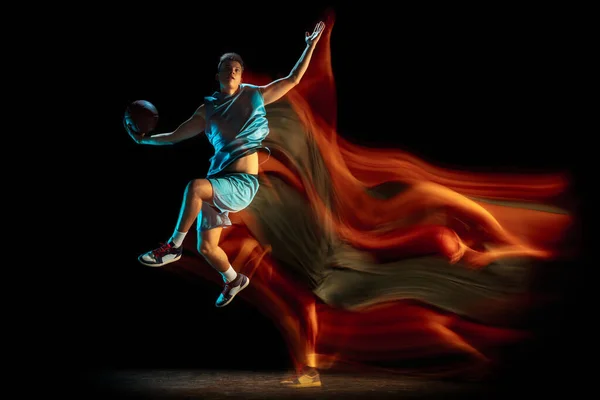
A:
(224, 174)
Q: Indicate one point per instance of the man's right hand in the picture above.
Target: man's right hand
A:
(137, 137)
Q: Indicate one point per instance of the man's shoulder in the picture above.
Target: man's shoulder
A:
(249, 86)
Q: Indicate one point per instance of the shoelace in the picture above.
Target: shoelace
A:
(162, 250)
(229, 285)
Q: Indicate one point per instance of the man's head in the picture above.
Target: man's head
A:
(230, 69)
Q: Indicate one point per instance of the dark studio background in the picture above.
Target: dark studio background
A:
(481, 89)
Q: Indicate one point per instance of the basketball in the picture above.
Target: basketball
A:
(141, 116)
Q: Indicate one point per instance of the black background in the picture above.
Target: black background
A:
(486, 88)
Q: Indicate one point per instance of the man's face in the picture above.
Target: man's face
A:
(230, 74)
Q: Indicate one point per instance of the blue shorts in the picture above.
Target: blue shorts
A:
(232, 192)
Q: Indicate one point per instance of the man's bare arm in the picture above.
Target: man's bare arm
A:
(188, 129)
(278, 88)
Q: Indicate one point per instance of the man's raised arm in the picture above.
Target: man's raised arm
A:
(278, 88)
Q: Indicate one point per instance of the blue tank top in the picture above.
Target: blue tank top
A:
(236, 125)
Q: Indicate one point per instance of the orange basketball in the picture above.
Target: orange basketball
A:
(141, 116)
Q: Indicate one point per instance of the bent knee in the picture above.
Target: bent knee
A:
(206, 248)
(447, 241)
(200, 188)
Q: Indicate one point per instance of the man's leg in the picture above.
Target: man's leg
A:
(196, 192)
(307, 375)
(208, 246)
(434, 195)
(428, 194)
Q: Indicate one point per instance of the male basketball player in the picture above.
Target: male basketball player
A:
(234, 120)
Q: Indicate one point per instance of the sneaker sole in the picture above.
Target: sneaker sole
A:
(158, 265)
(232, 297)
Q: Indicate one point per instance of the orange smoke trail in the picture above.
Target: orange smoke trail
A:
(356, 168)
(387, 332)
(459, 215)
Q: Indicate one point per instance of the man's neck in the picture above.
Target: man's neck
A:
(228, 91)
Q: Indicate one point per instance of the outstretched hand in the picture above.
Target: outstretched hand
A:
(137, 137)
(313, 38)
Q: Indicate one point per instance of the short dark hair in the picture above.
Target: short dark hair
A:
(230, 57)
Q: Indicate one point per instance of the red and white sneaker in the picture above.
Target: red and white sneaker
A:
(165, 254)
(231, 289)
(308, 377)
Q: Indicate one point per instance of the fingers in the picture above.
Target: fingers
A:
(319, 27)
(127, 127)
(137, 137)
(316, 32)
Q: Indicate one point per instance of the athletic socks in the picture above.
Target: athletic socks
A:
(177, 238)
(229, 275)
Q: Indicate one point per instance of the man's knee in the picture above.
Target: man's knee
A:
(200, 188)
(207, 249)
